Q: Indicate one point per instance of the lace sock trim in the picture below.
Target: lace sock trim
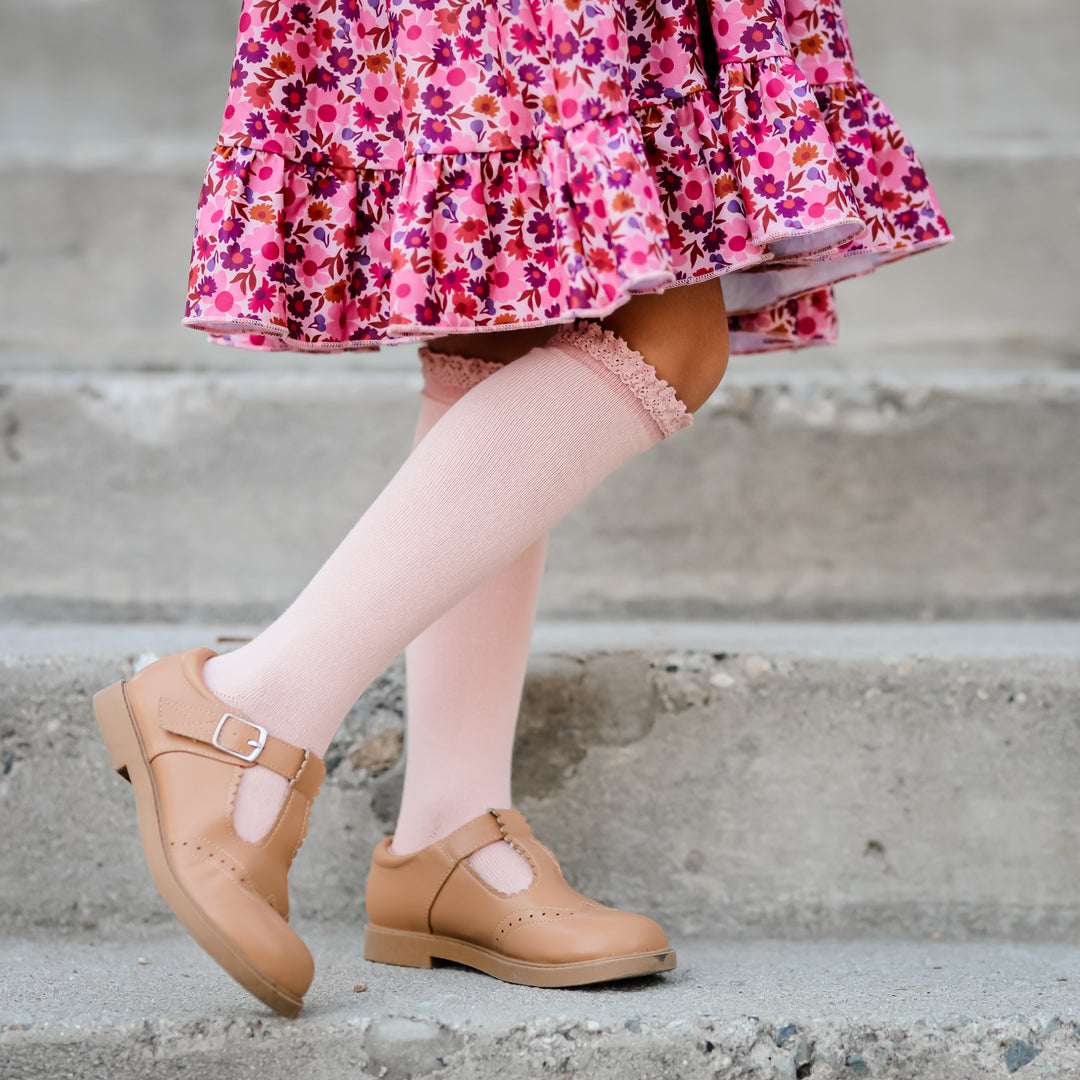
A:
(450, 372)
(657, 395)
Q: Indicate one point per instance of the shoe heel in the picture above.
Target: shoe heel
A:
(114, 720)
(396, 947)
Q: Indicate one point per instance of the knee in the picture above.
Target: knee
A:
(695, 371)
(682, 333)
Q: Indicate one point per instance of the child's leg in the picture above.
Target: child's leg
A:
(464, 676)
(489, 479)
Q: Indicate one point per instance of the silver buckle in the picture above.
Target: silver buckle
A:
(256, 744)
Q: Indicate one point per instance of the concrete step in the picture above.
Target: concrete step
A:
(757, 1010)
(813, 495)
(127, 227)
(747, 781)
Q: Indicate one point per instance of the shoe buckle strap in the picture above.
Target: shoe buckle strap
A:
(256, 745)
(243, 740)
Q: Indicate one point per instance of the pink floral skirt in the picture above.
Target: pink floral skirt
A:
(396, 170)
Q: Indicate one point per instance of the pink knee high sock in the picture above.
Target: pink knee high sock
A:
(464, 676)
(491, 477)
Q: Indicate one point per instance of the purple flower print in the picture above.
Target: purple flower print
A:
(459, 181)
(534, 276)
(301, 13)
(236, 79)
(325, 79)
(292, 251)
(915, 180)
(697, 219)
(252, 52)
(850, 156)
(592, 109)
(768, 187)
(713, 240)
(437, 99)
(443, 53)
(873, 196)
(294, 95)
(299, 307)
(743, 145)
(350, 9)
(497, 84)
(415, 240)
(236, 257)
(325, 185)
(207, 287)
(278, 272)
(542, 228)
(368, 152)
(341, 61)
(592, 51)
(791, 206)
(256, 126)
(620, 178)
(802, 127)
(436, 129)
(637, 48)
(427, 313)
(757, 38)
(530, 74)
(668, 180)
(475, 18)
(564, 47)
(855, 114)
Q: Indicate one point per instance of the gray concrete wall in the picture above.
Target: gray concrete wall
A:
(134, 497)
(732, 795)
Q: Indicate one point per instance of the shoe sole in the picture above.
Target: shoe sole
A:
(128, 753)
(408, 948)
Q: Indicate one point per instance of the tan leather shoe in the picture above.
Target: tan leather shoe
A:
(432, 905)
(184, 752)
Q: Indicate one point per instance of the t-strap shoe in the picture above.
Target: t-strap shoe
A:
(184, 752)
(432, 905)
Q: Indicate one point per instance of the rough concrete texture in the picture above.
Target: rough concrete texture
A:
(127, 228)
(790, 496)
(761, 1010)
(739, 794)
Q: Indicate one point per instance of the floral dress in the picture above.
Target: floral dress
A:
(397, 170)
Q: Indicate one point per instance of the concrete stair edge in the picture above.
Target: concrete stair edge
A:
(756, 1010)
